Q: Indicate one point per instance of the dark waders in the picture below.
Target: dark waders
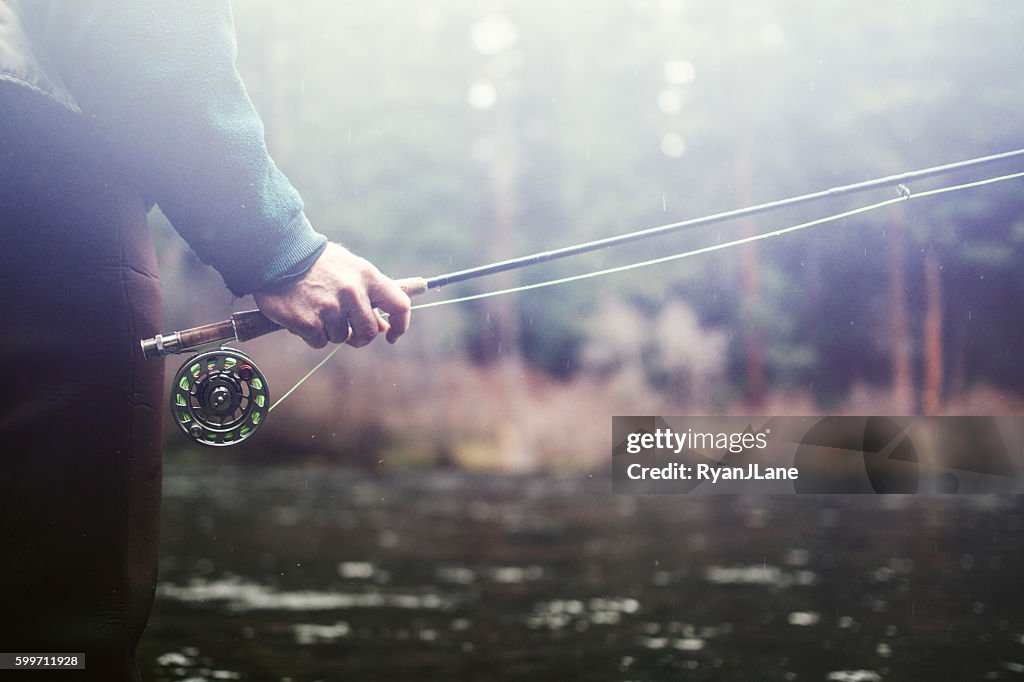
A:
(80, 410)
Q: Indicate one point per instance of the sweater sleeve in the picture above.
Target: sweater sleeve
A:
(159, 81)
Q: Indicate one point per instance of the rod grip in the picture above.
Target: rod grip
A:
(187, 339)
(208, 333)
(242, 326)
(251, 324)
(412, 286)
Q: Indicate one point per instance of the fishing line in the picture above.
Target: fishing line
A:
(898, 180)
(905, 195)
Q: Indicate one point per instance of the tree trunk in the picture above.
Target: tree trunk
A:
(512, 441)
(931, 400)
(280, 114)
(900, 344)
(750, 286)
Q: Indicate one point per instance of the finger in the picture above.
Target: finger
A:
(399, 323)
(316, 340)
(382, 323)
(309, 329)
(395, 302)
(363, 321)
(338, 329)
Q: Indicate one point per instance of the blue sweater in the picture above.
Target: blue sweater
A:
(157, 78)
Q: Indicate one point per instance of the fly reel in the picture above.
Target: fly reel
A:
(219, 397)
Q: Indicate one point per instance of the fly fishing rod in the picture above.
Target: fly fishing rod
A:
(220, 397)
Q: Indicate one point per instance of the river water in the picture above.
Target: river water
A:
(305, 574)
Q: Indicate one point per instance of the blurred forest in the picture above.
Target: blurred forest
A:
(435, 135)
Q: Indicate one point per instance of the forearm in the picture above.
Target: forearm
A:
(159, 82)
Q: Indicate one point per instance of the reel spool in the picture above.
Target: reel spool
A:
(219, 398)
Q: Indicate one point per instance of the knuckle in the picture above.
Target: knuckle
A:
(348, 293)
(330, 309)
(363, 337)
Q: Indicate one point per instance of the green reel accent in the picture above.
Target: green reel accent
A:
(219, 398)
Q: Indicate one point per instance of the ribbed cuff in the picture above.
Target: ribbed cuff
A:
(300, 250)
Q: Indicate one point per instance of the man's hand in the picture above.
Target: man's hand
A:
(339, 292)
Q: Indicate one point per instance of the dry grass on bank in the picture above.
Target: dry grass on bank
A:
(387, 411)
